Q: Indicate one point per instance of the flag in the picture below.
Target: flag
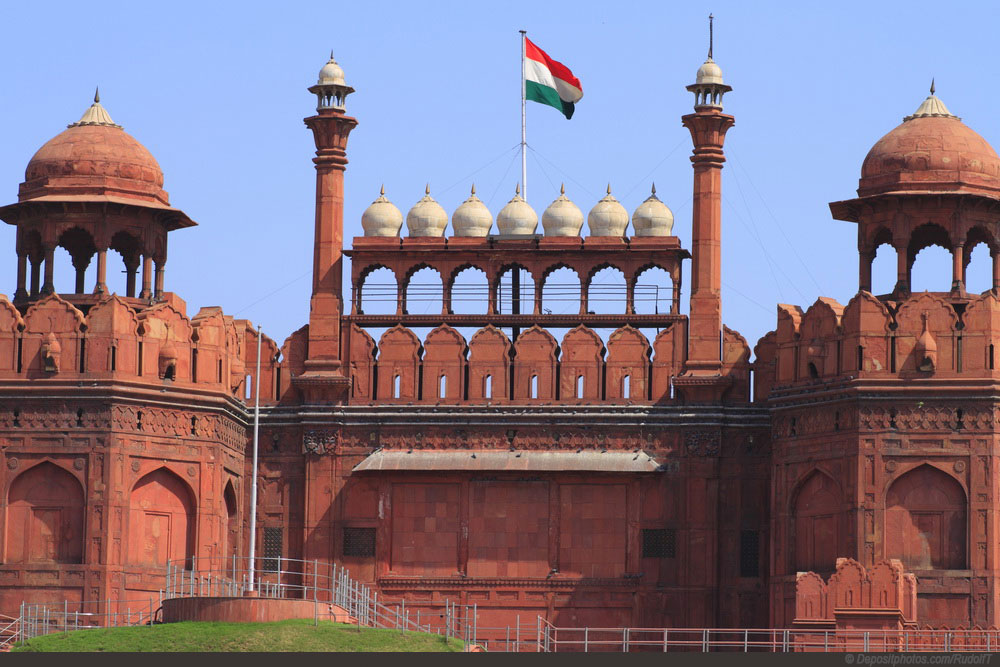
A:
(549, 81)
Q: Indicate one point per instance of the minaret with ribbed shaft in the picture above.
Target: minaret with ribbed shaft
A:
(323, 379)
(708, 127)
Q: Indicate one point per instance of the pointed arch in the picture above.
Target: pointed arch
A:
(816, 510)
(45, 505)
(536, 354)
(926, 520)
(232, 542)
(162, 518)
(489, 365)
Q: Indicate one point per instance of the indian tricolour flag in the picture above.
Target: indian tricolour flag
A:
(549, 81)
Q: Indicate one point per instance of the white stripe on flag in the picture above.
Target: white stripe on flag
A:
(539, 73)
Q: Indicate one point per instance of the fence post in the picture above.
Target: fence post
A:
(746, 640)
(624, 640)
(866, 642)
(538, 634)
(65, 615)
(704, 641)
(665, 639)
(475, 622)
(586, 640)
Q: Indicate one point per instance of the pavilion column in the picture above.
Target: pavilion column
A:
(48, 287)
(22, 276)
(865, 260)
(36, 265)
(630, 296)
(446, 307)
(958, 268)
(131, 268)
(995, 256)
(675, 299)
(147, 278)
(902, 269)
(491, 302)
(158, 280)
(102, 272)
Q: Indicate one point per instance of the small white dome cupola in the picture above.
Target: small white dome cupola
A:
(653, 217)
(472, 218)
(932, 107)
(562, 217)
(331, 90)
(708, 86)
(517, 218)
(382, 218)
(608, 217)
(426, 218)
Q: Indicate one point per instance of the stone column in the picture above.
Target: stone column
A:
(36, 265)
(958, 268)
(995, 256)
(131, 267)
(902, 270)
(158, 280)
(865, 259)
(630, 296)
(147, 278)
(22, 276)
(48, 287)
(102, 272)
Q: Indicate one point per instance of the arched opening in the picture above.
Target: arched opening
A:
(627, 386)
(395, 386)
(424, 292)
(161, 520)
(232, 522)
(653, 292)
(443, 386)
(925, 521)
(74, 266)
(978, 263)
(534, 386)
(607, 293)
(561, 292)
(470, 292)
(45, 517)
(579, 386)
(488, 386)
(816, 524)
(128, 247)
(930, 259)
(377, 294)
(884, 269)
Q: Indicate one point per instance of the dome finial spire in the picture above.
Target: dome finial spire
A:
(97, 95)
(711, 35)
(932, 85)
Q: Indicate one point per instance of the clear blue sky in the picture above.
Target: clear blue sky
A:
(217, 92)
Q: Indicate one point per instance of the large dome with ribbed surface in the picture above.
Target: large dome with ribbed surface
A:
(931, 151)
(94, 156)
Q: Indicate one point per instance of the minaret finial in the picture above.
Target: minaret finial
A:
(932, 85)
(654, 189)
(382, 190)
(710, 35)
(331, 54)
(427, 189)
(609, 188)
(97, 95)
(517, 190)
(562, 188)
(473, 189)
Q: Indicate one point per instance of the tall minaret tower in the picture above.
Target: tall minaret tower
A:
(324, 379)
(708, 127)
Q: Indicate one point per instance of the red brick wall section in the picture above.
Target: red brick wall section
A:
(425, 529)
(509, 529)
(592, 531)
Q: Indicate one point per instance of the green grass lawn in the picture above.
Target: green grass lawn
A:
(293, 635)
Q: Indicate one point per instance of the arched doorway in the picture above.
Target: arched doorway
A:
(816, 524)
(232, 524)
(45, 517)
(925, 521)
(162, 520)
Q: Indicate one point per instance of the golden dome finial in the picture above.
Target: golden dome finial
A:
(381, 190)
(932, 85)
(609, 188)
(562, 188)
(427, 189)
(97, 95)
(473, 189)
(517, 190)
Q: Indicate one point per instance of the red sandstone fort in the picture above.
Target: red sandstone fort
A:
(653, 477)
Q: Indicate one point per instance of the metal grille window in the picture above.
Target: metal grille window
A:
(749, 553)
(659, 543)
(359, 542)
(272, 549)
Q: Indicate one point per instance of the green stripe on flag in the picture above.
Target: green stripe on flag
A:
(536, 92)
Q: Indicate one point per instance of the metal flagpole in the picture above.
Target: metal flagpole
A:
(253, 476)
(524, 141)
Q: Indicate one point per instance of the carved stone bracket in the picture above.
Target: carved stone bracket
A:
(319, 442)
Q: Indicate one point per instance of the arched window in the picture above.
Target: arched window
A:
(925, 521)
(395, 386)
(488, 387)
(579, 386)
(534, 386)
(627, 386)
(443, 386)
(232, 523)
(45, 517)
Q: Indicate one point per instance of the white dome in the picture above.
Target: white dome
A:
(382, 218)
(709, 72)
(426, 218)
(608, 217)
(653, 218)
(562, 217)
(472, 218)
(331, 74)
(517, 217)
